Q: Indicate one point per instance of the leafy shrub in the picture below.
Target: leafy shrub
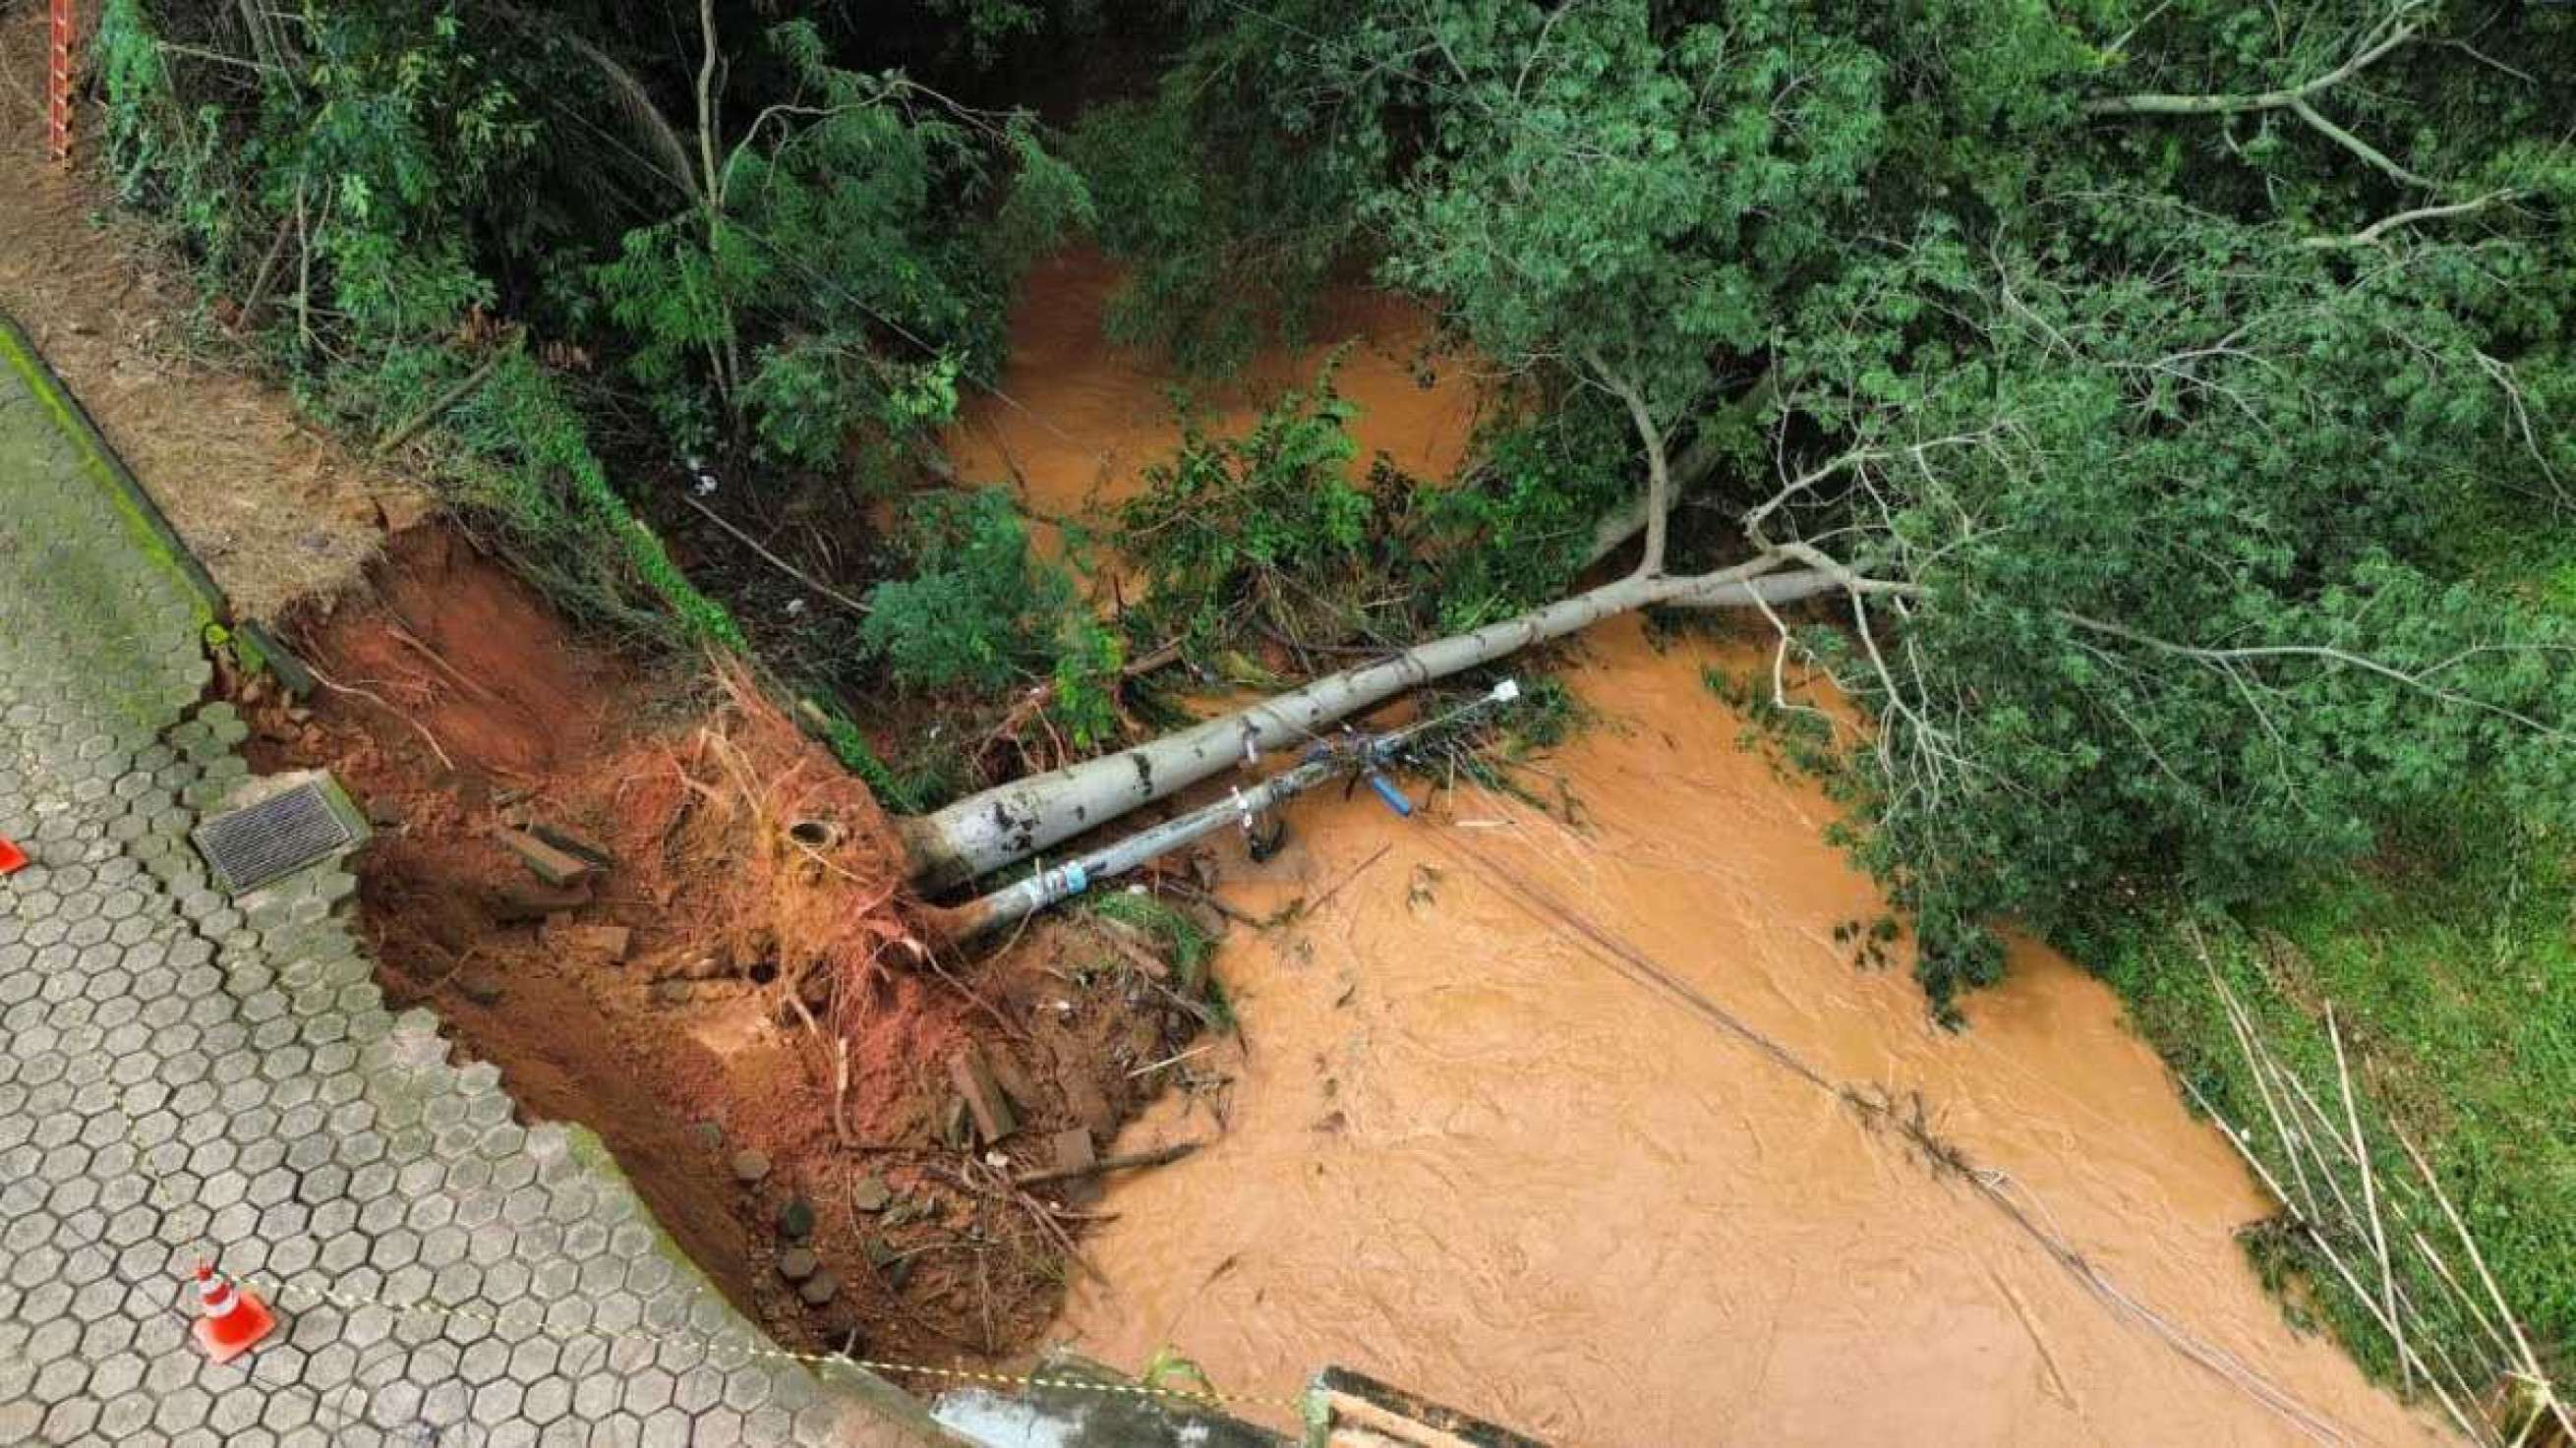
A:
(1226, 251)
(1084, 697)
(1264, 536)
(1263, 541)
(821, 292)
(977, 612)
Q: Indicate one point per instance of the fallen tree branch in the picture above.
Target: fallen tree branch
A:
(2377, 229)
(2321, 653)
(2370, 1201)
(1690, 471)
(781, 564)
(1010, 822)
(464, 388)
(2369, 153)
(2530, 1368)
(1659, 475)
(2398, 30)
(2158, 104)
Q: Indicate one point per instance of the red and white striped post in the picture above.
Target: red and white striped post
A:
(58, 86)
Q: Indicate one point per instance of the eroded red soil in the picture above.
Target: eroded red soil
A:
(744, 977)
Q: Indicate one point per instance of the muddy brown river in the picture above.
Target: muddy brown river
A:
(1467, 1153)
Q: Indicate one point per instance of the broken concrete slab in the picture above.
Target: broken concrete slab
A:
(556, 867)
(972, 1075)
(580, 847)
(870, 1193)
(796, 1219)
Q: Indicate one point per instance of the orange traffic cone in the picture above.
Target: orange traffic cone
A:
(234, 1322)
(12, 859)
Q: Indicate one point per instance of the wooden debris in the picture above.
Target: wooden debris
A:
(580, 847)
(685, 965)
(1090, 1105)
(543, 860)
(1361, 1409)
(1014, 1079)
(973, 1077)
(607, 944)
(1070, 1151)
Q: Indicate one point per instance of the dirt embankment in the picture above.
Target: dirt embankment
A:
(737, 1003)
(276, 510)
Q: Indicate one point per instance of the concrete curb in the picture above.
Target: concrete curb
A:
(99, 461)
(134, 503)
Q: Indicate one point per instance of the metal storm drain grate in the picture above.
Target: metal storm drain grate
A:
(296, 827)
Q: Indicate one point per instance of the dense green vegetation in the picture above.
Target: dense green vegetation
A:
(627, 255)
(2151, 417)
(2161, 403)
(2450, 958)
(2451, 968)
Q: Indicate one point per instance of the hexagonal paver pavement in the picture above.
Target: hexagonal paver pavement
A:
(186, 1075)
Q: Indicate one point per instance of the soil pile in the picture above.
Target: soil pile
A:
(725, 979)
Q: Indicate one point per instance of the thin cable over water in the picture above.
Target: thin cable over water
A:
(1877, 1109)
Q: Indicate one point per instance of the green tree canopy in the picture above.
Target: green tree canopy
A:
(2156, 376)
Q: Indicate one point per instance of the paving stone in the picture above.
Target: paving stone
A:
(182, 1072)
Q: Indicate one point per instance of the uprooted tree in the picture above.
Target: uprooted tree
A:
(2138, 407)
(2138, 458)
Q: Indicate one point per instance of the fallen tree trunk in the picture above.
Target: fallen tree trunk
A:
(1010, 822)
(1041, 888)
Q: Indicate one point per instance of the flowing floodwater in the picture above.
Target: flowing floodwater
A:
(1466, 1153)
(1078, 420)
